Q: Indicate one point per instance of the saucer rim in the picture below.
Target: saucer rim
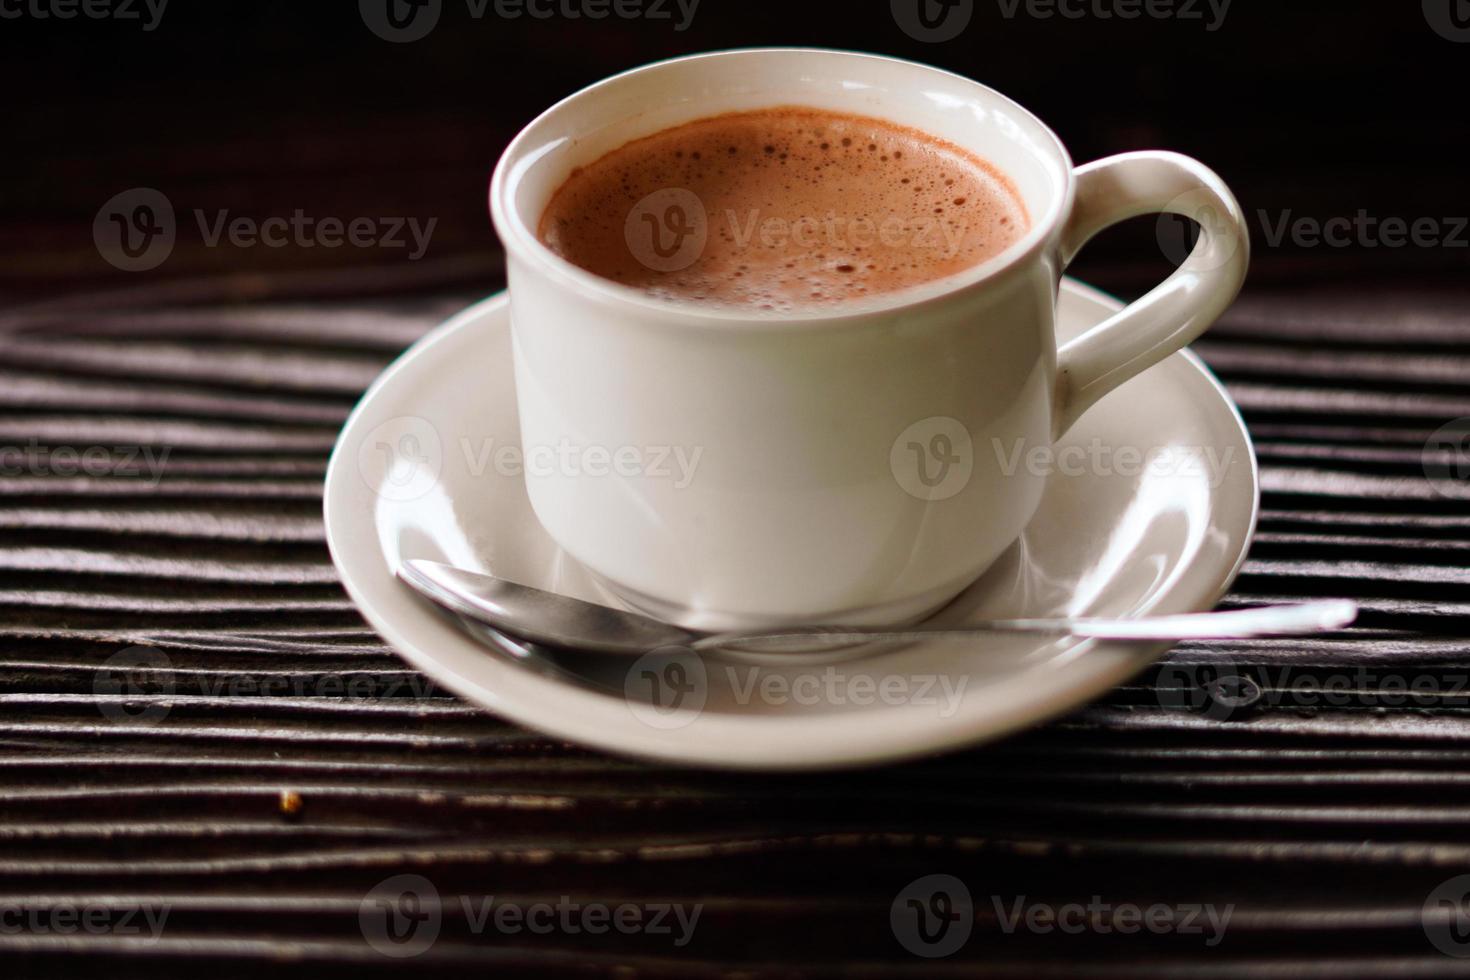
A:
(666, 747)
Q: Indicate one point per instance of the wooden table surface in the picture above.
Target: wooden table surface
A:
(196, 719)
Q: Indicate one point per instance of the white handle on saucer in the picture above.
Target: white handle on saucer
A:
(1177, 310)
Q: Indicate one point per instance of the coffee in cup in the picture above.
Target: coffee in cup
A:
(785, 208)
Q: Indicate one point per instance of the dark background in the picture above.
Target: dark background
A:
(1327, 827)
(1316, 109)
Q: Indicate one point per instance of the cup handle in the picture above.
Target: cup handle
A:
(1177, 310)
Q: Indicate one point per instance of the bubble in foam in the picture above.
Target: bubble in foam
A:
(785, 236)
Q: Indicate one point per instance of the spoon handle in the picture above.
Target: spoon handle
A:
(563, 621)
(1283, 620)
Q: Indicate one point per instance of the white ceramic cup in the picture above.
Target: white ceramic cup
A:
(736, 469)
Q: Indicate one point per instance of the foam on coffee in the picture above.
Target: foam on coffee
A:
(782, 209)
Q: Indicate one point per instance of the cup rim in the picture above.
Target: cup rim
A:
(521, 240)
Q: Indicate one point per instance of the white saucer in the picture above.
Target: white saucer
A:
(422, 470)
